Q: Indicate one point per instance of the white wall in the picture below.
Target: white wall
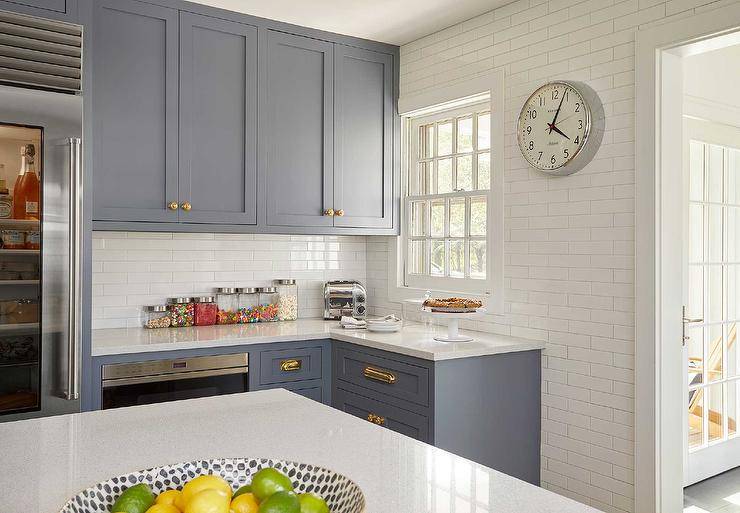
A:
(710, 85)
(132, 269)
(569, 241)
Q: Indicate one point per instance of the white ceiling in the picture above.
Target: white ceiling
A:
(391, 21)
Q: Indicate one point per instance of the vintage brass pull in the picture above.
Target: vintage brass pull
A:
(172, 205)
(290, 365)
(186, 206)
(376, 419)
(379, 375)
(329, 212)
(340, 212)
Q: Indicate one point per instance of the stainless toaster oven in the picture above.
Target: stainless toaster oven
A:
(344, 297)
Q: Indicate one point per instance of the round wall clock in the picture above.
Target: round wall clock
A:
(560, 127)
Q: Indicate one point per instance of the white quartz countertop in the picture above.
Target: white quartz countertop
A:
(48, 460)
(413, 340)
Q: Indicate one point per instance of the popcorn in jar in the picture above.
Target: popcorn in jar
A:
(287, 300)
(156, 316)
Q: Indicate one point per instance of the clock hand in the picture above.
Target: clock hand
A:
(553, 127)
(554, 120)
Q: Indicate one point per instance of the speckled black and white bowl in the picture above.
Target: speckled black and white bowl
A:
(341, 493)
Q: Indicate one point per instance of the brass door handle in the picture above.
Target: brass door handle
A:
(329, 212)
(340, 212)
(290, 365)
(376, 419)
(186, 206)
(172, 205)
(379, 375)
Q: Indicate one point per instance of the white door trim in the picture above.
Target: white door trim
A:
(658, 377)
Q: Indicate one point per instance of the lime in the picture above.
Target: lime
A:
(200, 483)
(268, 481)
(168, 497)
(312, 503)
(136, 499)
(163, 508)
(208, 501)
(281, 502)
(245, 503)
(241, 490)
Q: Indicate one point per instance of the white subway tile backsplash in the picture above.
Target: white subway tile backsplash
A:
(133, 269)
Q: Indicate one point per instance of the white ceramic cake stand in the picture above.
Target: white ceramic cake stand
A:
(453, 325)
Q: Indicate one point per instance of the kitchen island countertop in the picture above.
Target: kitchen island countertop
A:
(413, 340)
(51, 459)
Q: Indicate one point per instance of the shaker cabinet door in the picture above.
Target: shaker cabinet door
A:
(218, 121)
(135, 114)
(297, 145)
(363, 138)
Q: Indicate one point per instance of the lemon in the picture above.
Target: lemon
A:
(163, 508)
(312, 503)
(269, 481)
(244, 489)
(245, 503)
(208, 501)
(200, 483)
(281, 502)
(135, 499)
(168, 497)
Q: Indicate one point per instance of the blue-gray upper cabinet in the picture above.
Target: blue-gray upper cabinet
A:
(65, 10)
(135, 125)
(296, 150)
(218, 121)
(363, 138)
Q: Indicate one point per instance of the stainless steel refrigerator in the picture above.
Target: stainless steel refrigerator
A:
(40, 135)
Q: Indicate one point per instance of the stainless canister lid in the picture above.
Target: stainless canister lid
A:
(226, 290)
(204, 299)
(156, 308)
(179, 300)
(267, 290)
(247, 290)
(285, 282)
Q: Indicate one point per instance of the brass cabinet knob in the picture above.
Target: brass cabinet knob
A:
(186, 206)
(329, 212)
(340, 212)
(172, 205)
(376, 419)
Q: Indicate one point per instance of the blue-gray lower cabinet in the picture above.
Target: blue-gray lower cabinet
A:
(484, 408)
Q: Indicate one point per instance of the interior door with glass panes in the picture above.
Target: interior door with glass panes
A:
(711, 285)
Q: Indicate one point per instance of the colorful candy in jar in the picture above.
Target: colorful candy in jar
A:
(182, 312)
(227, 306)
(268, 304)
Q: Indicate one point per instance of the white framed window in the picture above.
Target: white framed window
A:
(451, 239)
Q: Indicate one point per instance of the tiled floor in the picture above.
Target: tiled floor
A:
(719, 494)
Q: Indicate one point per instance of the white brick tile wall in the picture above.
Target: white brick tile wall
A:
(569, 242)
(132, 269)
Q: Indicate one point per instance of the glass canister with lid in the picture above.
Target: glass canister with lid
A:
(268, 304)
(182, 311)
(206, 310)
(155, 316)
(287, 300)
(227, 300)
(248, 305)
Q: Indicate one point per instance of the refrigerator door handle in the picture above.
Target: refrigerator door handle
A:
(75, 230)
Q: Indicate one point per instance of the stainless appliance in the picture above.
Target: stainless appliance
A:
(129, 384)
(344, 297)
(41, 112)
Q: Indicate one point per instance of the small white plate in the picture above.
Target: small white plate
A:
(384, 328)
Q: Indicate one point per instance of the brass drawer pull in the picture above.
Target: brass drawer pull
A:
(379, 375)
(290, 365)
(376, 419)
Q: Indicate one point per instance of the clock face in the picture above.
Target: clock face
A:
(554, 126)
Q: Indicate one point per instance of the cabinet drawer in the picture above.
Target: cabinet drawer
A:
(286, 365)
(388, 377)
(399, 420)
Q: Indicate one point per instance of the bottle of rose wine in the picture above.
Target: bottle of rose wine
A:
(27, 187)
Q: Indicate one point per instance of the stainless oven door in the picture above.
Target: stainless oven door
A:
(129, 384)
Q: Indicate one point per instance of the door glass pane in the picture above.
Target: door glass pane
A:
(416, 257)
(478, 217)
(437, 224)
(457, 217)
(715, 168)
(457, 258)
(418, 218)
(696, 233)
(714, 233)
(696, 171)
(695, 308)
(733, 292)
(715, 411)
(478, 259)
(696, 416)
(444, 138)
(484, 131)
(732, 244)
(444, 176)
(464, 135)
(714, 353)
(484, 171)
(437, 257)
(732, 406)
(732, 352)
(465, 173)
(695, 350)
(713, 298)
(733, 176)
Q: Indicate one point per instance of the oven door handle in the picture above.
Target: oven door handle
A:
(157, 378)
